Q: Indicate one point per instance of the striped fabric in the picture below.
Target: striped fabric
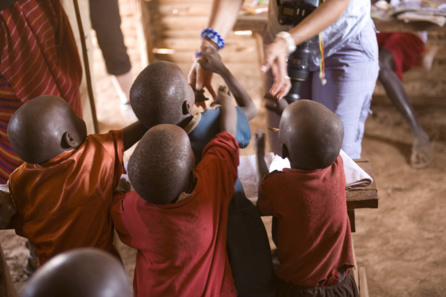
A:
(38, 55)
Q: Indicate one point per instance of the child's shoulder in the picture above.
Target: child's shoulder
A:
(276, 174)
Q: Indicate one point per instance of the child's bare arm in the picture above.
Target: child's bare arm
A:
(228, 116)
(213, 62)
(277, 106)
(133, 133)
(7, 209)
(261, 168)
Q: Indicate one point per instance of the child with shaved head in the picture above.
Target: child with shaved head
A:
(177, 218)
(161, 95)
(85, 272)
(309, 203)
(64, 189)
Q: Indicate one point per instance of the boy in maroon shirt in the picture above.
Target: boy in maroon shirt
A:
(309, 203)
(177, 218)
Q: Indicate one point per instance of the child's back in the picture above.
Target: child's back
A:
(160, 94)
(64, 190)
(309, 202)
(178, 219)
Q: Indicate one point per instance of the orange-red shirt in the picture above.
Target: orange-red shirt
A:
(64, 203)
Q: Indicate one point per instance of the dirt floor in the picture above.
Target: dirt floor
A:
(402, 243)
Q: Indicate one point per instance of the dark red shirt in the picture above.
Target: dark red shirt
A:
(313, 230)
(182, 246)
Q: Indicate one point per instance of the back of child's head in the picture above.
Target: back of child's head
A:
(159, 93)
(311, 135)
(43, 128)
(161, 167)
(85, 272)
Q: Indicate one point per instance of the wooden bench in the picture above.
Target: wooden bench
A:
(365, 198)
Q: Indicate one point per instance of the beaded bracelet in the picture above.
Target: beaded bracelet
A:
(291, 45)
(214, 36)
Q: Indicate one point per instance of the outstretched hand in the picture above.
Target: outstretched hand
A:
(199, 76)
(211, 60)
(274, 104)
(275, 58)
(222, 91)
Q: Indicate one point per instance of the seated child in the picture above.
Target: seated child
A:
(64, 189)
(309, 202)
(177, 218)
(85, 272)
(161, 94)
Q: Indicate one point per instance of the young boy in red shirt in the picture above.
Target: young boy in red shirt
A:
(161, 94)
(63, 191)
(177, 219)
(308, 200)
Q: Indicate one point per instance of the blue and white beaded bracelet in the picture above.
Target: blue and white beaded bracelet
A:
(214, 36)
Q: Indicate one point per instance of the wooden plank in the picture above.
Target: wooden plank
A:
(188, 33)
(366, 198)
(181, 22)
(257, 23)
(240, 69)
(180, 9)
(401, 26)
(183, 44)
(150, 2)
(188, 55)
(363, 287)
(148, 36)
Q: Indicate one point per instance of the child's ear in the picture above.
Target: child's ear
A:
(285, 153)
(69, 141)
(186, 107)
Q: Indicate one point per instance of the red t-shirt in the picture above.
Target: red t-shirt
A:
(65, 202)
(182, 246)
(313, 230)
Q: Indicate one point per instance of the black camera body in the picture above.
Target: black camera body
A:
(292, 13)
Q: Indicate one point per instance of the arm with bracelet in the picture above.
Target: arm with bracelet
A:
(223, 15)
(312, 24)
(212, 61)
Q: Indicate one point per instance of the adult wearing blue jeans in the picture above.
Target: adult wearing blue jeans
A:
(350, 56)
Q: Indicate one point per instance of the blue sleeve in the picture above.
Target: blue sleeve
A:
(209, 126)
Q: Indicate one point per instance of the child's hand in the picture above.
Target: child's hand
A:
(7, 209)
(278, 106)
(200, 98)
(259, 141)
(211, 60)
(224, 90)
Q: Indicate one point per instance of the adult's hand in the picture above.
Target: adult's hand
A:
(199, 76)
(275, 58)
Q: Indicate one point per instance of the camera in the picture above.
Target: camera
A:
(292, 13)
